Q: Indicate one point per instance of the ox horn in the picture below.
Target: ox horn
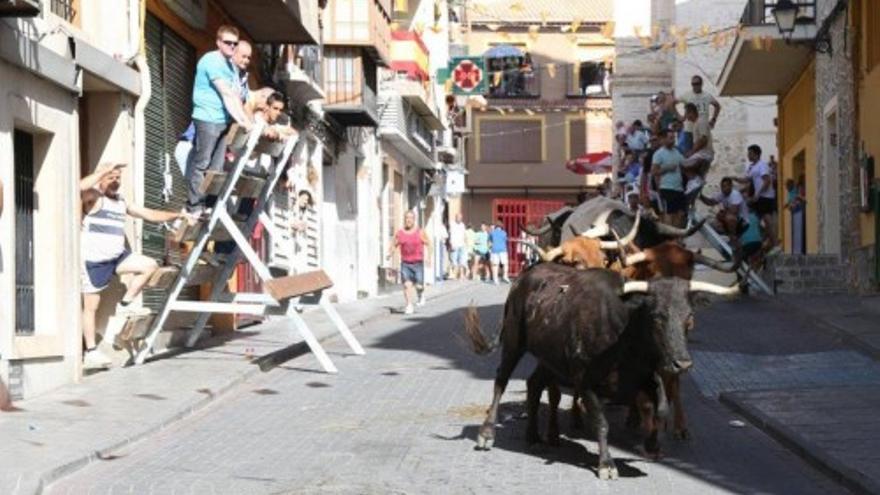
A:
(669, 230)
(634, 287)
(635, 258)
(600, 227)
(550, 255)
(726, 267)
(619, 244)
(697, 286)
(541, 230)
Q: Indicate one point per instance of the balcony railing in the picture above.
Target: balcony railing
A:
(515, 83)
(760, 12)
(63, 9)
(587, 80)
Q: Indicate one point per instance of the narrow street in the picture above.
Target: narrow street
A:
(403, 418)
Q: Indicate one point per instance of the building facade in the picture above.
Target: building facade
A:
(548, 100)
(825, 81)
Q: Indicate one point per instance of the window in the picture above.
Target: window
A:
(25, 203)
(577, 138)
(589, 79)
(511, 140)
(871, 32)
(63, 9)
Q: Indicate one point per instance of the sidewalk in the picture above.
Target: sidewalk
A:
(835, 428)
(55, 434)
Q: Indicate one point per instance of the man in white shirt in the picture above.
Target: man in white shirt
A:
(700, 156)
(702, 100)
(457, 243)
(733, 218)
(763, 197)
(637, 139)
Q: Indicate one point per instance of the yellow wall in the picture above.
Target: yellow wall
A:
(869, 104)
(797, 133)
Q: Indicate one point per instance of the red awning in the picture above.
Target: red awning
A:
(590, 163)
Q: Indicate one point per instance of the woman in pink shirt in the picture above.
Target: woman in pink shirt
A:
(412, 242)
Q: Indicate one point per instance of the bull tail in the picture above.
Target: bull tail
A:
(475, 336)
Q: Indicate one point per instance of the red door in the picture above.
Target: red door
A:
(514, 213)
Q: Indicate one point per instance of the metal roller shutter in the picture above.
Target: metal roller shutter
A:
(172, 63)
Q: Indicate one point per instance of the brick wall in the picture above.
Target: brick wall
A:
(806, 274)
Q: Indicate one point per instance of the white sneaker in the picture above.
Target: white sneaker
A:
(421, 300)
(96, 359)
(506, 280)
(131, 311)
(409, 309)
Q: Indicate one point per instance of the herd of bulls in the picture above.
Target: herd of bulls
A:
(607, 314)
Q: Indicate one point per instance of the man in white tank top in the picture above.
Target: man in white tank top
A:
(102, 245)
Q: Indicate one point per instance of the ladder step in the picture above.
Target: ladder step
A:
(297, 285)
(187, 231)
(213, 183)
(133, 328)
(249, 186)
(163, 277)
(237, 139)
(220, 233)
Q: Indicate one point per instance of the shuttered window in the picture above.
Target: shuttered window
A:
(511, 141)
(577, 138)
(172, 63)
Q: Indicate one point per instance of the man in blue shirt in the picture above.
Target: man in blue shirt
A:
(216, 101)
(498, 252)
(666, 167)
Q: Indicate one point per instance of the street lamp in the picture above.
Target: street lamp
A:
(785, 14)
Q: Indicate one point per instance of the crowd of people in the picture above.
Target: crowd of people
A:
(663, 166)
(221, 97)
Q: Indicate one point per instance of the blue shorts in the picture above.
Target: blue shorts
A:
(413, 272)
(96, 275)
(459, 256)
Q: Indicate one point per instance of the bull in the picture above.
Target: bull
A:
(577, 324)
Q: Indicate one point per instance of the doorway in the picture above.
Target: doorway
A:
(25, 204)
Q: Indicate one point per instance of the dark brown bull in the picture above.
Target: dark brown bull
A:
(576, 323)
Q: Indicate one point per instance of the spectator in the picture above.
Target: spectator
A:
(299, 227)
(632, 201)
(469, 250)
(631, 168)
(241, 59)
(763, 200)
(104, 253)
(412, 242)
(702, 100)
(684, 136)
(637, 139)
(481, 252)
(666, 168)
(498, 255)
(795, 204)
(700, 156)
(647, 181)
(663, 105)
(271, 114)
(216, 100)
(457, 242)
(751, 250)
(733, 217)
(620, 133)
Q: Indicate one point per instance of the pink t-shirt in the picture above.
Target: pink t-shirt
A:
(411, 247)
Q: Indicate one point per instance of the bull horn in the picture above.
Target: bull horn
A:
(670, 231)
(726, 267)
(610, 245)
(697, 286)
(634, 287)
(541, 230)
(631, 236)
(635, 258)
(545, 255)
(600, 226)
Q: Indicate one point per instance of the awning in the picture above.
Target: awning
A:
(276, 21)
(590, 163)
(503, 51)
(103, 72)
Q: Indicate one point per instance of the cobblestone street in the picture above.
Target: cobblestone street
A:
(403, 419)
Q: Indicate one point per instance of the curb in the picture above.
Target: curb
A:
(263, 364)
(838, 330)
(802, 447)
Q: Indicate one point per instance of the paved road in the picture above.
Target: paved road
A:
(403, 419)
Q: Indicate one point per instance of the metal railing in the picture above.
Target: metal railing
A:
(63, 9)
(310, 62)
(760, 12)
(515, 83)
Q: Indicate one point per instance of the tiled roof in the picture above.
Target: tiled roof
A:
(554, 11)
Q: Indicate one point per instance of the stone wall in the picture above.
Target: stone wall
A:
(810, 274)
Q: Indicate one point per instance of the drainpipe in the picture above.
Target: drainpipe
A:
(137, 55)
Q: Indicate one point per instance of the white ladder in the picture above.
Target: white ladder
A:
(307, 287)
(744, 270)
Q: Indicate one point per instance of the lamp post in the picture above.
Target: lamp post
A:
(785, 14)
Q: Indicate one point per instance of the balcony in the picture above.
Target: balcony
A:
(408, 131)
(276, 21)
(745, 71)
(587, 80)
(362, 23)
(349, 80)
(523, 83)
(301, 74)
(416, 94)
(20, 8)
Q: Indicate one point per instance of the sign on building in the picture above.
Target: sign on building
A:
(468, 75)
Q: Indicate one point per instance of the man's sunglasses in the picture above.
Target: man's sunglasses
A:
(229, 43)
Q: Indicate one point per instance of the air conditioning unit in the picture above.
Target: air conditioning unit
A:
(19, 8)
